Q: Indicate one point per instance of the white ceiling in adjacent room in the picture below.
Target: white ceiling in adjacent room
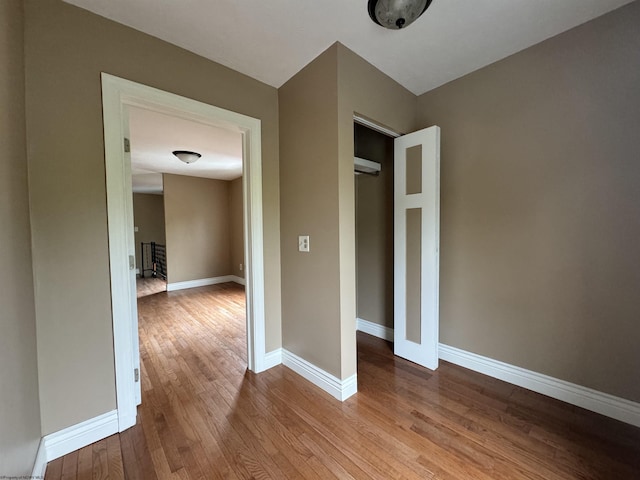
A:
(154, 136)
(272, 40)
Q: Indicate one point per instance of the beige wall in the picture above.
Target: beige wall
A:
(540, 206)
(236, 227)
(318, 198)
(374, 229)
(19, 406)
(539, 200)
(66, 49)
(197, 227)
(309, 206)
(364, 90)
(148, 217)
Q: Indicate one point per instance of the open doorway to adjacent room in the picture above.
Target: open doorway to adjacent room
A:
(198, 252)
(188, 217)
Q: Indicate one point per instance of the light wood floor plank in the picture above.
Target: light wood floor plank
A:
(85, 464)
(70, 466)
(204, 416)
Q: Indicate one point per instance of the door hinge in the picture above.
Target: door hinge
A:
(127, 145)
(136, 375)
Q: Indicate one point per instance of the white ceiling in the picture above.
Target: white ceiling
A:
(155, 135)
(272, 40)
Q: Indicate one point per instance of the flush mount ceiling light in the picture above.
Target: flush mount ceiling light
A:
(396, 14)
(186, 156)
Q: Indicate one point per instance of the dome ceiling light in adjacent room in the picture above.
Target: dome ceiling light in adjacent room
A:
(186, 156)
(396, 14)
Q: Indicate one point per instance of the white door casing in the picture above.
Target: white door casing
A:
(117, 94)
(416, 246)
(131, 246)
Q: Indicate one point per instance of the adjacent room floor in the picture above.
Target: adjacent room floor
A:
(203, 416)
(150, 286)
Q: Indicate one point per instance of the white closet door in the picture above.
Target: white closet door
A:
(416, 246)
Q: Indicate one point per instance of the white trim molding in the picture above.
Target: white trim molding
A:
(203, 282)
(374, 329)
(603, 403)
(339, 389)
(273, 359)
(70, 439)
(238, 280)
(40, 464)
(374, 126)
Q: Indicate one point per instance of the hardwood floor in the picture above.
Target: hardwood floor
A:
(203, 416)
(150, 286)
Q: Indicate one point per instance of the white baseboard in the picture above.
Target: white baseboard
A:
(237, 279)
(58, 444)
(603, 403)
(374, 329)
(272, 359)
(593, 400)
(202, 282)
(40, 464)
(339, 389)
(137, 271)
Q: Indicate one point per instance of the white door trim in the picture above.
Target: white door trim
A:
(128, 207)
(375, 126)
(116, 93)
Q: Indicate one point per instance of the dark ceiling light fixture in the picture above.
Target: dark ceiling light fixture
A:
(396, 14)
(186, 156)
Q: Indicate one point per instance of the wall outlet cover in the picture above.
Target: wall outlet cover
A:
(303, 243)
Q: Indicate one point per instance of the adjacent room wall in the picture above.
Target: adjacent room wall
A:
(309, 206)
(374, 229)
(19, 405)
(66, 49)
(148, 217)
(236, 227)
(540, 206)
(197, 226)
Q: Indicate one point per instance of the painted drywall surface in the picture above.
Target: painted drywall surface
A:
(364, 90)
(19, 406)
(66, 49)
(309, 206)
(236, 227)
(541, 206)
(318, 198)
(148, 218)
(197, 227)
(374, 229)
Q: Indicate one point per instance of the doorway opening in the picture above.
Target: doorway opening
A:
(188, 217)
(119, 95)
(397, 238)
(374, 232)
